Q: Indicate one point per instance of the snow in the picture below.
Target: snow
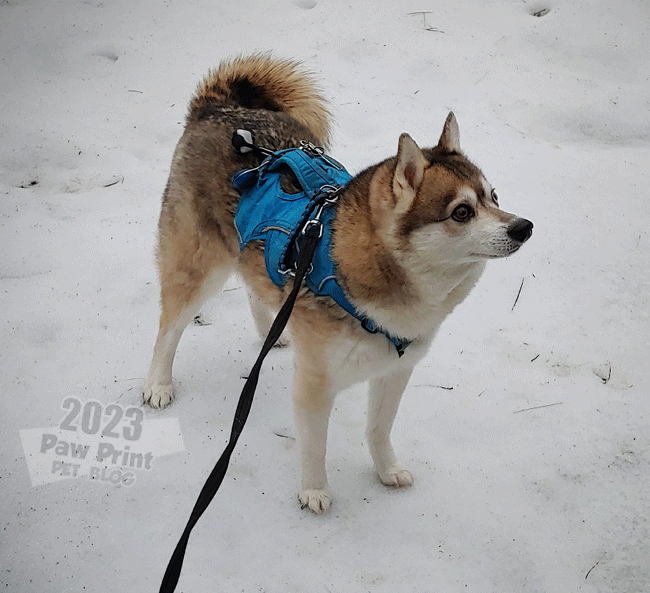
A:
(526, 426)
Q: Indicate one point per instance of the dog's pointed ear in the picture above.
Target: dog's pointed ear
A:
(409, 172)
(450, 137)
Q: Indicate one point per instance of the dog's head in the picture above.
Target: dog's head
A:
(436, 205)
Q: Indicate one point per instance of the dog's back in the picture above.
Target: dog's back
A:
(279, 103)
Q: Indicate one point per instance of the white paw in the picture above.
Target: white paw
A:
(315, 500)
(158, 396)
(397, 475)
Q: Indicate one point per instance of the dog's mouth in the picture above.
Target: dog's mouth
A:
(514, 249)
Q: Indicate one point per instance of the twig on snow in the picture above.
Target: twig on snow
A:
(121, 394)
(424, 14)
(589, 571)
(482, 77)
(518, 293)
(117, 180)
(284, 436)
(538, 407)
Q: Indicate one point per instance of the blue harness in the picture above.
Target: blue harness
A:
(268, 214)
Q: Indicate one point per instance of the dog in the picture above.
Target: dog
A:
(410, 238)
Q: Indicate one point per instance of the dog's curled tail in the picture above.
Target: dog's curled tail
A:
(261, 81)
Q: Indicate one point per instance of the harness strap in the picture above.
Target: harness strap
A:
(306, 168)
(336, 292)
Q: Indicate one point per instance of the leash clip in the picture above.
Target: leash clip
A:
(330, 193)
(314, 222)
(325, 196)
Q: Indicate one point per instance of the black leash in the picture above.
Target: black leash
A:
(308, 240)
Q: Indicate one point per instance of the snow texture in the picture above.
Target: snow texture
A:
(526, 426)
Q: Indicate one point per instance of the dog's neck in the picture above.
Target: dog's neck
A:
(379, 285)
(366, 269)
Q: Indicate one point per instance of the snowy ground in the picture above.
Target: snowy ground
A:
(555, 110)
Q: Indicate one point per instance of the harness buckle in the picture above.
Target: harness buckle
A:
(292, 271)
(318, 151)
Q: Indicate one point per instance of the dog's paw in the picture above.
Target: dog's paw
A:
(315, 500)
(397, 475)
(158, 396)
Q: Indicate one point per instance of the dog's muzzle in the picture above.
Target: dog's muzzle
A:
(521, 230)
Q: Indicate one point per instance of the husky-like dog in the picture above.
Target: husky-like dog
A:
(410, 239)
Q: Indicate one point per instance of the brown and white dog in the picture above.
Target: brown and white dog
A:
(410, 239)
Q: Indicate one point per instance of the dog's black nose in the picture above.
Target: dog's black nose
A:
(521, 230)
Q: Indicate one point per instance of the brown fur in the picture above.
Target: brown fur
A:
(399, 256)
(373, 273)
(196, 231)
(263, 82)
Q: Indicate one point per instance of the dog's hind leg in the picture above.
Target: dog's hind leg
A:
(181, 300)
(193, 265)
(264, 318)
(385, 394)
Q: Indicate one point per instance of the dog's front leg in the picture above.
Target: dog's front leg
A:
(384, 397)
(313, 401)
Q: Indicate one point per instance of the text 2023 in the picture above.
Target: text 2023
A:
(113, 420)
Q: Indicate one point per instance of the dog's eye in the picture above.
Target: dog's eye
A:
(462, 213)
(495, 198)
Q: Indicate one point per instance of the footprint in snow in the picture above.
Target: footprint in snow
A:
(107, 53)
(539, 9)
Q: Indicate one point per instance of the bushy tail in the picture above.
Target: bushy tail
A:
(260, 81)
